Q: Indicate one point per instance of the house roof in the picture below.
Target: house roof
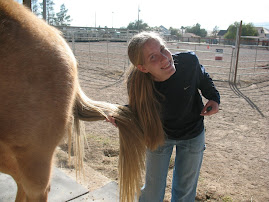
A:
(222, 32)
(263, 33)
(191, 35)
(262, 29)
(164, 30)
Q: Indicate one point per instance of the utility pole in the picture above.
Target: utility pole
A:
(138, 19)
(112, 18)
(95, 20)
(28, 3)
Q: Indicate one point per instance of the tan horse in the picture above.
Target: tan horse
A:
(40, 101)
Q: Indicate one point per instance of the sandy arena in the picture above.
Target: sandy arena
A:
(236, 160)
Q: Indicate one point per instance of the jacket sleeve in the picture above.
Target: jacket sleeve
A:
(206, 85)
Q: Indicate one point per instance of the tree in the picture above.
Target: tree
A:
(175, 32)
(62, 18)
(35, 7)
(134, 25)
(215, 31)
(50, 12)
(182, 29)
(247, 30)
(196, 29)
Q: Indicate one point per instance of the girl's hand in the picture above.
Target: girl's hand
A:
(210, 108)
(112, 120)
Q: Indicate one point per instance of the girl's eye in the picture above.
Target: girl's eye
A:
(152, 57)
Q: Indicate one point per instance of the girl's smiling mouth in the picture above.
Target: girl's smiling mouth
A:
(167, 66)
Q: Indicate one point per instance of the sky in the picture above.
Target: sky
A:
(169, 13)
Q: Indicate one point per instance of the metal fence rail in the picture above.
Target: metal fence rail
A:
(105, 55)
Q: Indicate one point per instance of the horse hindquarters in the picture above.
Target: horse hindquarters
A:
(38, 81)
(30, 167)
(28, 151)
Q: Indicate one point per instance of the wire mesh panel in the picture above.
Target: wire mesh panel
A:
(101, 63)
(253, 64)
(105, 62)
(218, 69)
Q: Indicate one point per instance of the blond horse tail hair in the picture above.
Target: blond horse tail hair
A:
(132, 141)
(85, 109)
(132, 154)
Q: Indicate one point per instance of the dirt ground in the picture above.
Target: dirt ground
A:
(236, 160)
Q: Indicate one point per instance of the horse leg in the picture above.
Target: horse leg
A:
(30, 167)
(21, 196)
(35, 170)
(8, 165)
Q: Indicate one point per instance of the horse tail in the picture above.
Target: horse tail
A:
(132, 141)
(132, 154)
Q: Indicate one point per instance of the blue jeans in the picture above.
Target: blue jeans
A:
(189, 156)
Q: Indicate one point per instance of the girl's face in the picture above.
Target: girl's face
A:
(158, 61)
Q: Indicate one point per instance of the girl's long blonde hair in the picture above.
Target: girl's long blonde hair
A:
(142, 93)
(139, 124)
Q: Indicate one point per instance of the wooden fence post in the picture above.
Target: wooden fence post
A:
(237, 55)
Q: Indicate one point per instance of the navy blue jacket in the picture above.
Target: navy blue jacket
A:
(182, 102)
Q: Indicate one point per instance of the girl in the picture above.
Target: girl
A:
(164, 96)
